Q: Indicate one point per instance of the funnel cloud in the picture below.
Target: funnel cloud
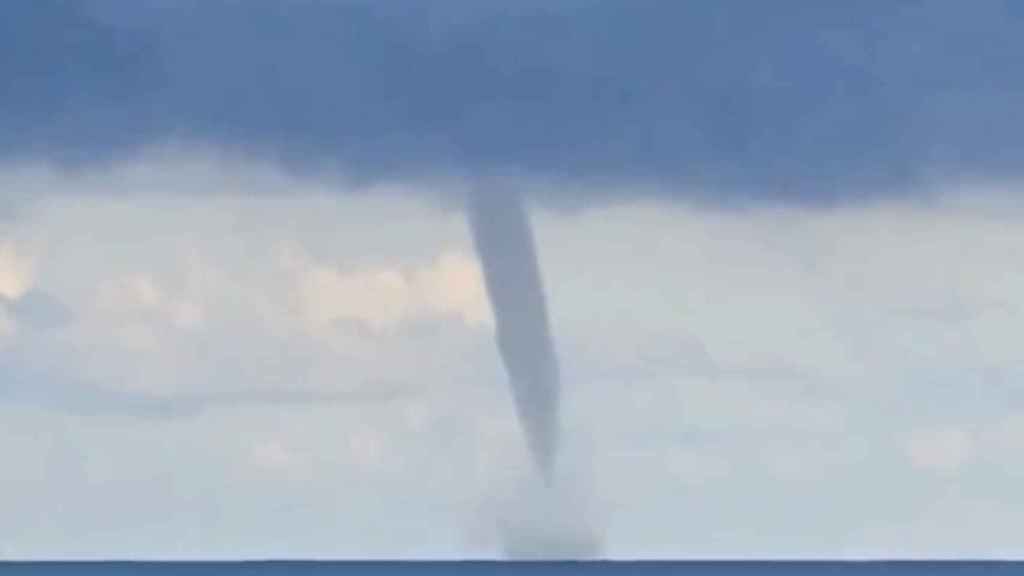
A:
(504, 242)
(546, 519)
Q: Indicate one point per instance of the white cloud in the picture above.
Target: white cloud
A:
(691, 466)
(941, 450)
(275, 456)
(841, 293)
(138, 297)
(16, 278)
(1000, 442)
(15, 271)
(387, 296)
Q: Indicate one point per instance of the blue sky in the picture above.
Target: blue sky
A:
(241, 314)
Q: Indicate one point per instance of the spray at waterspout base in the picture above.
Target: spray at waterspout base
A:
(549, 520)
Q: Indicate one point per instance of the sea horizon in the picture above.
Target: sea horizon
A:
(494, 566)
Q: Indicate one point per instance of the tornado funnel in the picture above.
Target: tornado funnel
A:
(504, 242)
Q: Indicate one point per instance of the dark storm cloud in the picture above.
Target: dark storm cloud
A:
(800, 98)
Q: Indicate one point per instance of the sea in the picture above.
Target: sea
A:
(476, 568)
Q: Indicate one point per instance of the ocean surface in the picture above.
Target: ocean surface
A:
(496, 568)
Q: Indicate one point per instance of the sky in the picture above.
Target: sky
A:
(241, 314)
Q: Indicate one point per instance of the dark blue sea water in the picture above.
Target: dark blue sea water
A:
(502, 568)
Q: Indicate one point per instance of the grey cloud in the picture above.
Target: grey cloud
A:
(40, 310)
(215, 372)
(28, 383)
(797, 100)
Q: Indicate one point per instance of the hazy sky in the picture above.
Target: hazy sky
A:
(241, 315)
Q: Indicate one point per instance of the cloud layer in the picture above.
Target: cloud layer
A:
(791, 101)
(774, 381)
